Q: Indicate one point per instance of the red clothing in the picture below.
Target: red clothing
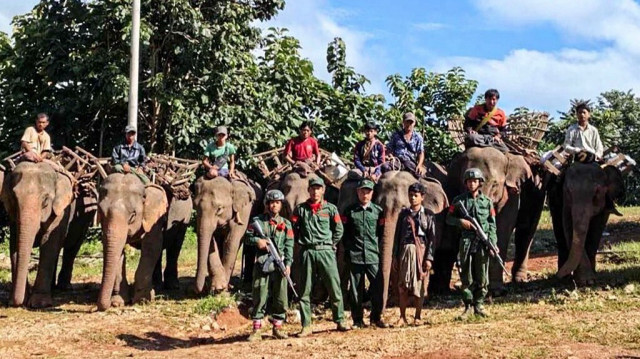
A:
(477, 113)
(302, 150)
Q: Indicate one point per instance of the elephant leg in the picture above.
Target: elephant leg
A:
(231, 245)
(151, 251)
(248, 257)
(555, 201)
(217, 272)
(49, 251)
(531, 203)
(156, 277)
(505, 223)
(120, 295)
(75, 237)
(585, 273)
(174, 246)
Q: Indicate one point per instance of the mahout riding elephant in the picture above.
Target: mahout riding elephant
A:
(580, 203)
(518, 197)
(37, 199)
(132, 213)
(178, 217)
(391, 193)
(219, 229)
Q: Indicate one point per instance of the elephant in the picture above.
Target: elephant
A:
(391, 193)
(517, 192)
(219, 234)
(38, 199)
(132, 213)
(581, 202)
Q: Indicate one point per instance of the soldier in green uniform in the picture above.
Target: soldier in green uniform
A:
(473, 257)
(269, 282)
(363, 225)
(318, 229)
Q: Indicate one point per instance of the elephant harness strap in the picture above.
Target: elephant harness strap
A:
(419, 245)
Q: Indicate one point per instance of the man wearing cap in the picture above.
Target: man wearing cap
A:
(269, 282)
(363, 226)
(486, 124)
(318, 228)
(129, 156)
(413, 252)
(369, 153)
(220, 156)
(36, 140)
(408, 146)
(582, 135)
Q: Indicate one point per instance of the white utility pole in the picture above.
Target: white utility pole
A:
(135, 60)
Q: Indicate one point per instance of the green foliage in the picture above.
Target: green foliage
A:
(214, 304)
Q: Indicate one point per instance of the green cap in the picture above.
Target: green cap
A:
(316, 181)
(366, 183)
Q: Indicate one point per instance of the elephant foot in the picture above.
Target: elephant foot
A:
(144, 296)
(64, 286)
(521, 276)
(40, 300)
(117, 301)
(171, 283)
(498, 292)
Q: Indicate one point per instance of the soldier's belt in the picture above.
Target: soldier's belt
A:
(317, 247)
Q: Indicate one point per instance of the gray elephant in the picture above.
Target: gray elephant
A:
(580, 203)
(37, 199)
(219, 233)
(133, 213)
(518, 196)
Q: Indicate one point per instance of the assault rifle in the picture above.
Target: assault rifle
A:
(482, 238)
(274, 256)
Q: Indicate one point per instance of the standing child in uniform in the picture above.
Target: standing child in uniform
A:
(270, 283)
(473, 257)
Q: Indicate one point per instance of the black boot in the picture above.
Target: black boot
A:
(478, 309)
(466, 314)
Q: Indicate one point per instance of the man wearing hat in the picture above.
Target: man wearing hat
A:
(369, 153)
(408, 146)
(318, 228)
(363, 226)
(220, 156)
(129, 156)
(485, 124)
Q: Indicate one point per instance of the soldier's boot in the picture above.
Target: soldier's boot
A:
(478, 309)
(277, 331)
(256, 335)
(341, 327)
(305, 332)
(466, 314)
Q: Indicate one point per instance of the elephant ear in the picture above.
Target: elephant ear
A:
(155, 206)
(64, 194)
(517, 171)
(614, 189)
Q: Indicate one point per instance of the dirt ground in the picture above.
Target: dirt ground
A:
(544, 318)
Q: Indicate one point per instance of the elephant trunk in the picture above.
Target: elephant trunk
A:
(580, 223)
(386, 253)
(28, 227)
(206, 228)
(113, 240)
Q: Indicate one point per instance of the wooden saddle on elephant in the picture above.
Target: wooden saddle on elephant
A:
(172, 173)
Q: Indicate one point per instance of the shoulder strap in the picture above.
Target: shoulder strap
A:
(418, 244)
(486, 118)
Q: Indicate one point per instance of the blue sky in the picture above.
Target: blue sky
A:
(538, 53)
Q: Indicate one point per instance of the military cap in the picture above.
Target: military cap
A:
(366, 183)
(316, 181)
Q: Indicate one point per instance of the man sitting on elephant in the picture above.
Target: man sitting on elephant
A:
(302, 152)
(220, 156)
(129, 156)
(582, 136)
(485, 124)
(369, 153)
(408, 146)
(318, 228)
(36, 141)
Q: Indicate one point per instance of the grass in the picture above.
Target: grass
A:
(214, 304)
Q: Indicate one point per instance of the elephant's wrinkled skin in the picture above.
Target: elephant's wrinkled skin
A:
(518, 196)
(580, 206)
(129, 213)
(37, 199)
(219, 236)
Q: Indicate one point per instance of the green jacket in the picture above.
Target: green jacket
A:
(362, 231)
(279, 230)
(481, 208)
(323, 228)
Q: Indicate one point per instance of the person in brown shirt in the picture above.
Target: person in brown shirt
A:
(36, 140)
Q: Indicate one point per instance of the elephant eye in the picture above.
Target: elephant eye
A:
(132, 217)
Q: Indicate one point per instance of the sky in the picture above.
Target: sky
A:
(537, 53)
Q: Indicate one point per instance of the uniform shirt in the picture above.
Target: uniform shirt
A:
(476, 114)
(399, 147)
(587, 139)
(302, 150)
(279, 230)
(37, 141)
(134, 155)
(320, 227)
(216, 153)
(425, 229)
(362, 230)
(480, 208)
(374, 159)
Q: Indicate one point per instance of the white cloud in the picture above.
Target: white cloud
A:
(429, 26)
(315, 24)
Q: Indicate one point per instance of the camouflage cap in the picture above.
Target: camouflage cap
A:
(366, 183)
(316, 181)
(473, 173)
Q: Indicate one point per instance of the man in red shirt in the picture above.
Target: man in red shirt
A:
(300, 151)
(485, 124)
